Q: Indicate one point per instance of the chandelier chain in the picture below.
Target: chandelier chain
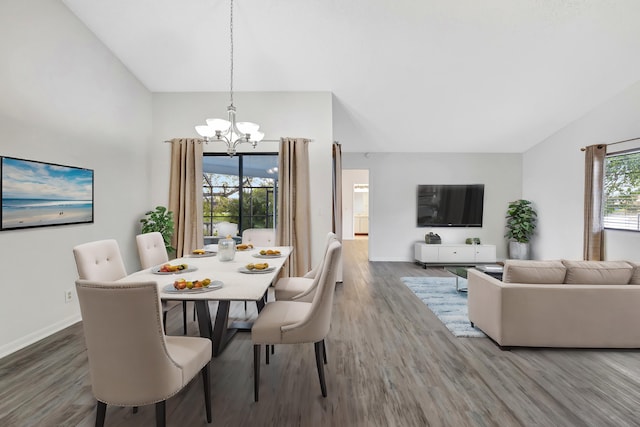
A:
(231, 54)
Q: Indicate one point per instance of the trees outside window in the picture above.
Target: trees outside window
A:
(622, 191)
(247, 180)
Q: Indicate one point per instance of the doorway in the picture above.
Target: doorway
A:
(355, 204)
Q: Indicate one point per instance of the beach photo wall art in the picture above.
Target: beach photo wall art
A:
(37, 194)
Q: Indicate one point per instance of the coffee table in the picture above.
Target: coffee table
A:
(494, 270)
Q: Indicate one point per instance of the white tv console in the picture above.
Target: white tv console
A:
(439, 254)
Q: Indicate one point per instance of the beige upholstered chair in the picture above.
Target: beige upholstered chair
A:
(302, 288)
(152, 251)
(99, 261)
(292, 322)
(263, 237)
(227, 229)
(131, 361)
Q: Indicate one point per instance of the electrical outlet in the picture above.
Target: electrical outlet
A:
(68, 295)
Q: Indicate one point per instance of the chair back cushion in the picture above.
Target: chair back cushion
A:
(128, 358)
(259, 236)
(99, 261)
(151, 249)
(316, 324)
(308, 294)
(227, 229)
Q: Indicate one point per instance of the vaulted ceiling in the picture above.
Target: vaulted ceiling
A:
(407, 75)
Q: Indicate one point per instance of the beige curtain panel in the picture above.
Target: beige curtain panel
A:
(593, 209)
(185, 194)
(294, 218)
(337, 200)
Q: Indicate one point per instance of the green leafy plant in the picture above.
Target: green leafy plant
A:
(160, 220)
(521, 221)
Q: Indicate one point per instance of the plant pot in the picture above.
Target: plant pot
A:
(518, 250)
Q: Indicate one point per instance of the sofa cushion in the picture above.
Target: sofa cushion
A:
(635, 277)
(529, 271)
(598, 272)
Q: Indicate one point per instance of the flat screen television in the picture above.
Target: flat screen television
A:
(38, 194)
(450, 205)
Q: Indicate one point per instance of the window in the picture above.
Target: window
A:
(622, 191)
(241, 189)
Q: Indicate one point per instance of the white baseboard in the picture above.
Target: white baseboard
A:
(27, 340)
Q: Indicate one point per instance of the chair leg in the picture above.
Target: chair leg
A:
(256, 371)
(164, 321)
(207, 391)
(319, 350)
(267, 354)
(135, 409)
(101, 412)
(184, 317)
(324, 352)
(245, 306)
(161, 409)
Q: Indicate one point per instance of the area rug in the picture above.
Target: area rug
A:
(440, 295)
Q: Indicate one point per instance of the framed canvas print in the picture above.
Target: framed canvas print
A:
(38, 194)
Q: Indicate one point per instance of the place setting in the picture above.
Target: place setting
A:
(257, 268)
(173, 269)
(192, 286)
(202, 253)
(268, 253)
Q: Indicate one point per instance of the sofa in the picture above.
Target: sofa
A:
(588, 304)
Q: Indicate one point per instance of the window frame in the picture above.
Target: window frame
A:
(608, 224)
(241, 196)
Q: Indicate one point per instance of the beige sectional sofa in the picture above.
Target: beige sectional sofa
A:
(558, 304)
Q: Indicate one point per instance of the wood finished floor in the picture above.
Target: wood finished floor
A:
(391, 363)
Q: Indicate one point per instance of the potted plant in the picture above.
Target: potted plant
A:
(521, 222)
(160, 220)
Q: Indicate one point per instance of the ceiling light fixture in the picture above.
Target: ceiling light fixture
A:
(229, 131)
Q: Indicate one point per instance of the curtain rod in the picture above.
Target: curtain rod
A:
(614, 143)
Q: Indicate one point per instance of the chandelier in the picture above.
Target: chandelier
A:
(229, 131)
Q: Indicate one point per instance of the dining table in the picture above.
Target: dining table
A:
(230, 281)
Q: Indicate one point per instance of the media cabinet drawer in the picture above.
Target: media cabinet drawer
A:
(454, 254)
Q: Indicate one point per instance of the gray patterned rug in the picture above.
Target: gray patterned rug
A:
(439, 294)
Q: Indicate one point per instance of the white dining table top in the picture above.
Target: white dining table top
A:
(237, 286)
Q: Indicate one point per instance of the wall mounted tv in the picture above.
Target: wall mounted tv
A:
(450, 205)
(37, 194)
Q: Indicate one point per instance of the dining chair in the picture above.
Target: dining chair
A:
(263, 237)
(131, 361)
(302, 288)
(293, 322)
(152, 252)
(99, 260)
(226, 228)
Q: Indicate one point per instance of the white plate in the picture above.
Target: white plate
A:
(215, 284)
(156, 270)
(267, 256)
(204, 255)
(247, 271)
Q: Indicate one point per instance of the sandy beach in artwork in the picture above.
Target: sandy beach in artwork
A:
(49, 216)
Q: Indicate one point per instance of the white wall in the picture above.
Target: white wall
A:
(394, 177)
(279, 114)
(65, 99)
(350, 177)
(553, 179)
